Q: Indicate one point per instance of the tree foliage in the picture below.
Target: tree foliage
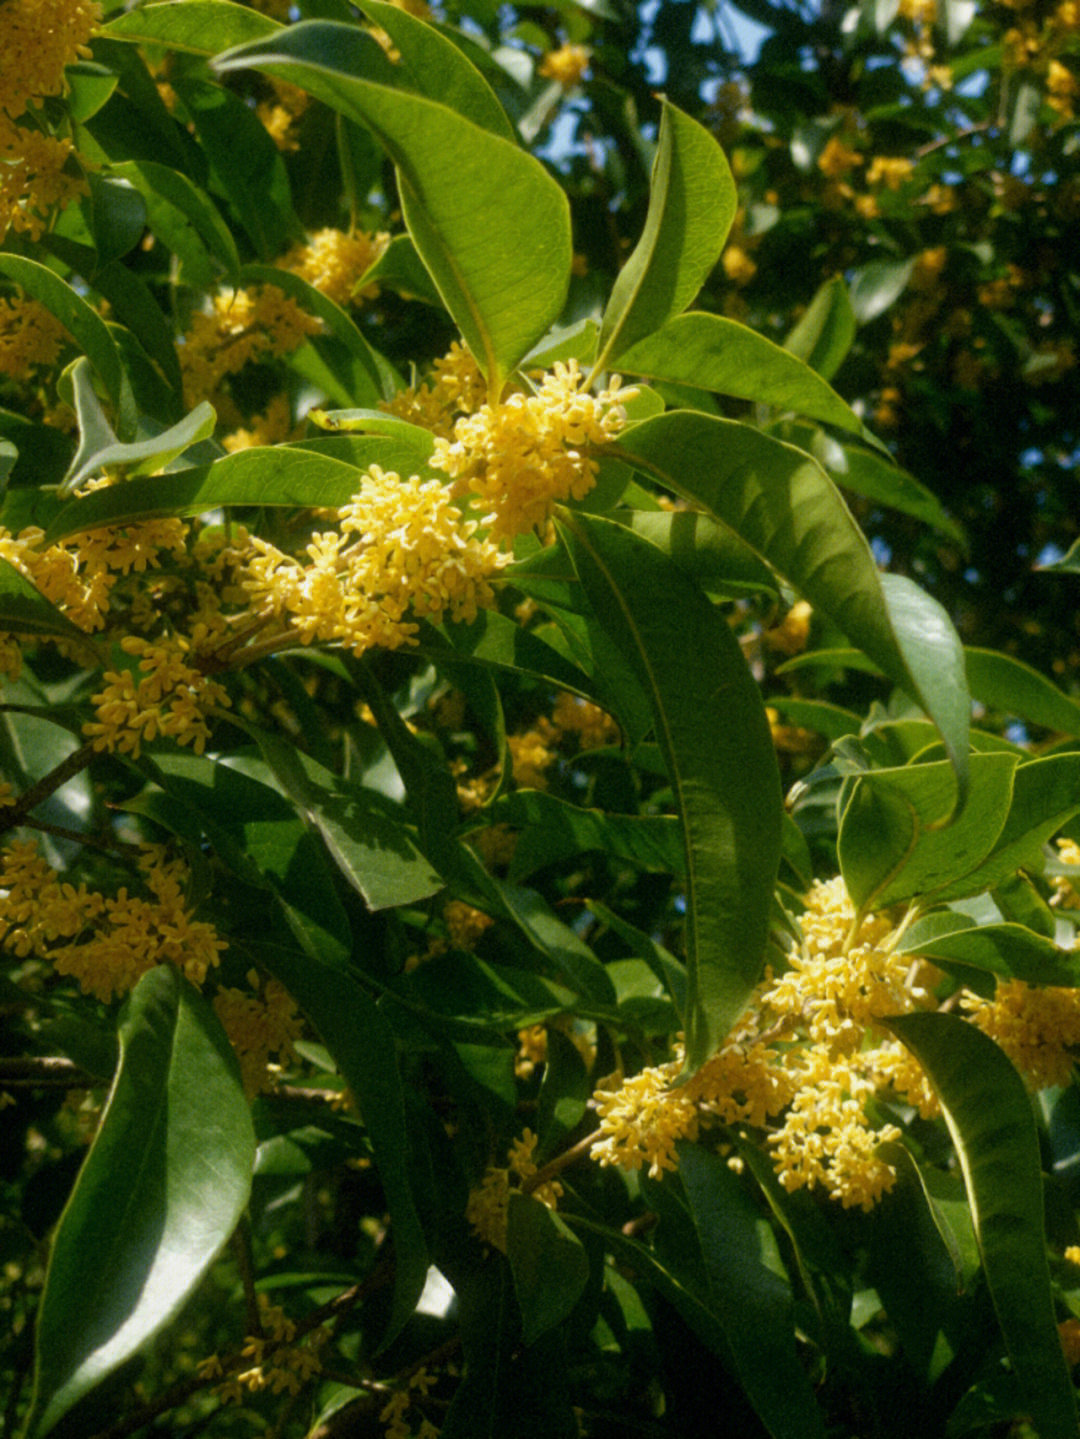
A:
(512, 920)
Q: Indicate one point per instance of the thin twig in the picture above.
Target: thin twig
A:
(12, 815)
(32, 1071)
(560, 1162)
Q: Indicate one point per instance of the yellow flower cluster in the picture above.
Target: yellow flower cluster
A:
(591, 726)
(40, 38)
(1065, 893)
(1038, 1028)
(262, 1028)
(532, 755)
(278, 1367)
(488, 1203)
(567, 65)
(332, 261)
(457, 388)
(279, 116)
(521, 456)
(29, 336)
(53, 920)
(257, 323)
(808, 1053)
(172, 698)
(402, 547)
(395, 1412)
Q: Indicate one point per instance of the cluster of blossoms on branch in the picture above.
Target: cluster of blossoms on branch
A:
(811, 1050)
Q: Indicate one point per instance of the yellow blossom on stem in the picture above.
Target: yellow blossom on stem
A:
(172, 698)
(333, 261)
(262, 1027)
(29, 336)
(523, 455)
(566, 65)
(488, 1203)
(1037, 1027)
(457, 388)
(41, 38)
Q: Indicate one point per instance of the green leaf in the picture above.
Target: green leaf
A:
(753, 1302)
(161, 1190)
(714, 353)
(1009, 950)
(182, 216)
(548, 1262)
(117, 217)
(785, 508)
(989, 1117)
(83, 324)
(492, 227)
(1046, 793)
(691, 206)
(709, 552)
(99, 448)
(1008, 684)
(367, 840)
(495, 642)
(711, 727)
(24, 610)
(291, 475)
(357, 1034)
(555, 830)
(337, 321)
(430, 64)
(877, 286)
(246, 166)
(873, 477)
(257, 834)
(892, 845)
(826, 331)
(201, 27)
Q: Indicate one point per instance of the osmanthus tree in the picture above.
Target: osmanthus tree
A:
(427, 1016)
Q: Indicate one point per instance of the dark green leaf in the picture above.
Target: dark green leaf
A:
(876, 286)
(711, 727)
(182, 216)
(161, 1190)
(892, 845)
(989, 1117)
(490, 224)
(548, 1262)
(825, 332)
(752, 1301)
(691, 206)
(356, 1033)
(1009, 950)
(291, 475)
(714, 353)
(783, 505)
(1008, 684)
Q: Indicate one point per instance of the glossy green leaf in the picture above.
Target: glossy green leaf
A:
(783, 505)
(554, 830)
(877, 286)
(989, 1116)
(202, 27)
(24, 610)
(83, 324)
(548, 1262)
(117, 217)
(1046, 794)
(99, 448)
(365, 834)
(710, 553)
(246, 166)
(873, 477)
(336, 320)
(714, 353)
(290, 475)
(1009, 950)
(826, 331)
(892, 845)
(570, 959)
(492, 227)
(359, 1038)
(400, 268)
(691, 206)
(711, 727)
(495, 642)
(432, 65)
(161, 1190)
(256, 832)
(754, 1303)
(182, 216)
(832, 721)
(1008, 684)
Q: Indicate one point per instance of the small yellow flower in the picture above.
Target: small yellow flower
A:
(567, 65)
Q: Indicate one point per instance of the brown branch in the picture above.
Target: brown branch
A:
(42, 1071)
(12, 815)
(560, 1162)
